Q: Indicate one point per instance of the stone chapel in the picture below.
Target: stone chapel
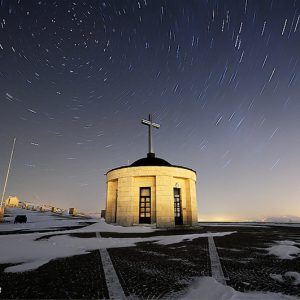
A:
(151, 191)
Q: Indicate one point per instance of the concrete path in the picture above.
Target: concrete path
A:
(216, 267)
(114, 287)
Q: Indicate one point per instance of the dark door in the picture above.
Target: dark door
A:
(177, 207)
(145, 205)
(116, 207)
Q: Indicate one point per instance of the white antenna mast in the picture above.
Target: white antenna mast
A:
(8, 169)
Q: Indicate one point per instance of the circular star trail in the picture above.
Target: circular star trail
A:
(221, 77)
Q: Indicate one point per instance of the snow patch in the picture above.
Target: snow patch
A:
(284, 249)
(29, 253)
(277, 277)
(37, 220)
(209, 289)
(47, 220)
(295, 276)
(102, 226)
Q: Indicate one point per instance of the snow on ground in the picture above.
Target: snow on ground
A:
(102, 226)
(47, 220)
(30, 253)
(209, 289)
(37, 220)
(277, 277)
(284, 249)
(295, 276)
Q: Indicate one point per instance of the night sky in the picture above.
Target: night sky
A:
(222, 78)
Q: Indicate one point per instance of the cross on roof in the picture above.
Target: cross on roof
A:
(150, 124)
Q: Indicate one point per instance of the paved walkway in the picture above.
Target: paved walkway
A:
(114, 287)
(216, 267)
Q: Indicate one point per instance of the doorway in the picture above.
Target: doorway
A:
(145, 205)
(177, 207)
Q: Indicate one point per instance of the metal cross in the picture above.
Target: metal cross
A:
(150, 124)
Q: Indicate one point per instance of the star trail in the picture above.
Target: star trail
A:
(221, 77)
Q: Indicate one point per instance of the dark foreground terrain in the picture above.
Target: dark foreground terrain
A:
(151, 271)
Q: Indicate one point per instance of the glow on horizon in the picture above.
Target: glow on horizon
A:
(230, 218)
(218, 218)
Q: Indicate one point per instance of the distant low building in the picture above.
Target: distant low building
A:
(47, 207)
(55, 209)
(22, 204)
(1, 213)
(26, 205)
(73, 211)
(12, 201)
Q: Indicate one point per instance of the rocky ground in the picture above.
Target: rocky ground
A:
(151, 271)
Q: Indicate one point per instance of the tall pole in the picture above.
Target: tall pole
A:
(8, 169)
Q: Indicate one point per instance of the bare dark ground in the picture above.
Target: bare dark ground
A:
(248, 268)
(151, 271)
(77, 277)
(154, 271)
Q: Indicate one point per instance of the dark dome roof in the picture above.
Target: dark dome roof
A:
(150, 161)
